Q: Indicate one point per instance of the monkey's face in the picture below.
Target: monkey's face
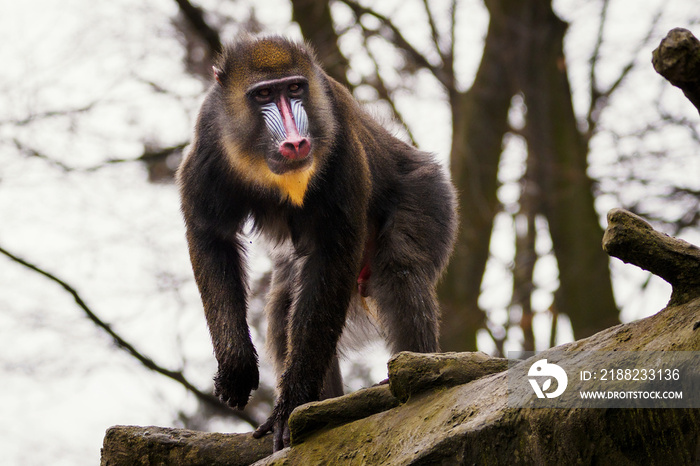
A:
(276, 119)
(281, 104)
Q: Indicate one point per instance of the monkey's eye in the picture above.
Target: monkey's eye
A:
(263, 95)
(296, 89)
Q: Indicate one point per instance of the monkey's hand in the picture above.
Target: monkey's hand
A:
(236, 379)
(278, 424)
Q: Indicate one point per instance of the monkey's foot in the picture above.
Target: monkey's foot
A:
(280, 430)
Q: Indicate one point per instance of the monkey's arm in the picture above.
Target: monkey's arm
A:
(219, 269)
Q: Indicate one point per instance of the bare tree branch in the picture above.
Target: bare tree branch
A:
(553, 328)
(392, 33)
(149, 155)
(385, 94)
(600, 98)
(449, 61)
(640, 46)
(195, 17)
(595, 56)
(48, 114)
(434, 33)
(523, 271)
(316, 24)
(206, 398)
(39, 155)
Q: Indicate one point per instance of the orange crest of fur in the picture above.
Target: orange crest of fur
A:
(270, 55)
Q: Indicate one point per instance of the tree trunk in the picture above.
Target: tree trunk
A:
(558, 154)
(479, 122)
(314, 19)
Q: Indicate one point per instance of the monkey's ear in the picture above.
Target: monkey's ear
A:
(218, 74)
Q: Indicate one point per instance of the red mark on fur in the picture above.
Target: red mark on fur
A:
(363, 281)
(366, 272)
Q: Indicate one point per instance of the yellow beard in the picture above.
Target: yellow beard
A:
(291, 185)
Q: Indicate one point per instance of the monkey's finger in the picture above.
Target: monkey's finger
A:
(231, 402)
(383, 382)
(278, 440)
(264, 428)
(221, 396)
(237, 401)
(286, 436)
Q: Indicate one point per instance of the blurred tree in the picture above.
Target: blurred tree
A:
(558, 186)
(314, 19)
(523, 57)
(523, 53)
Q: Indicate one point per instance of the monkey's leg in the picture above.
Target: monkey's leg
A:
(412, 249)
(405, 269)
(332, 387)
(333, 382)
(277, 310)
(315, 324)
(408, 309)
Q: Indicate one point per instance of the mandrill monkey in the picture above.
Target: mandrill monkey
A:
(352, 212)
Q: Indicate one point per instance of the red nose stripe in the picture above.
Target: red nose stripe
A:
(295, 146)
(287, 118)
